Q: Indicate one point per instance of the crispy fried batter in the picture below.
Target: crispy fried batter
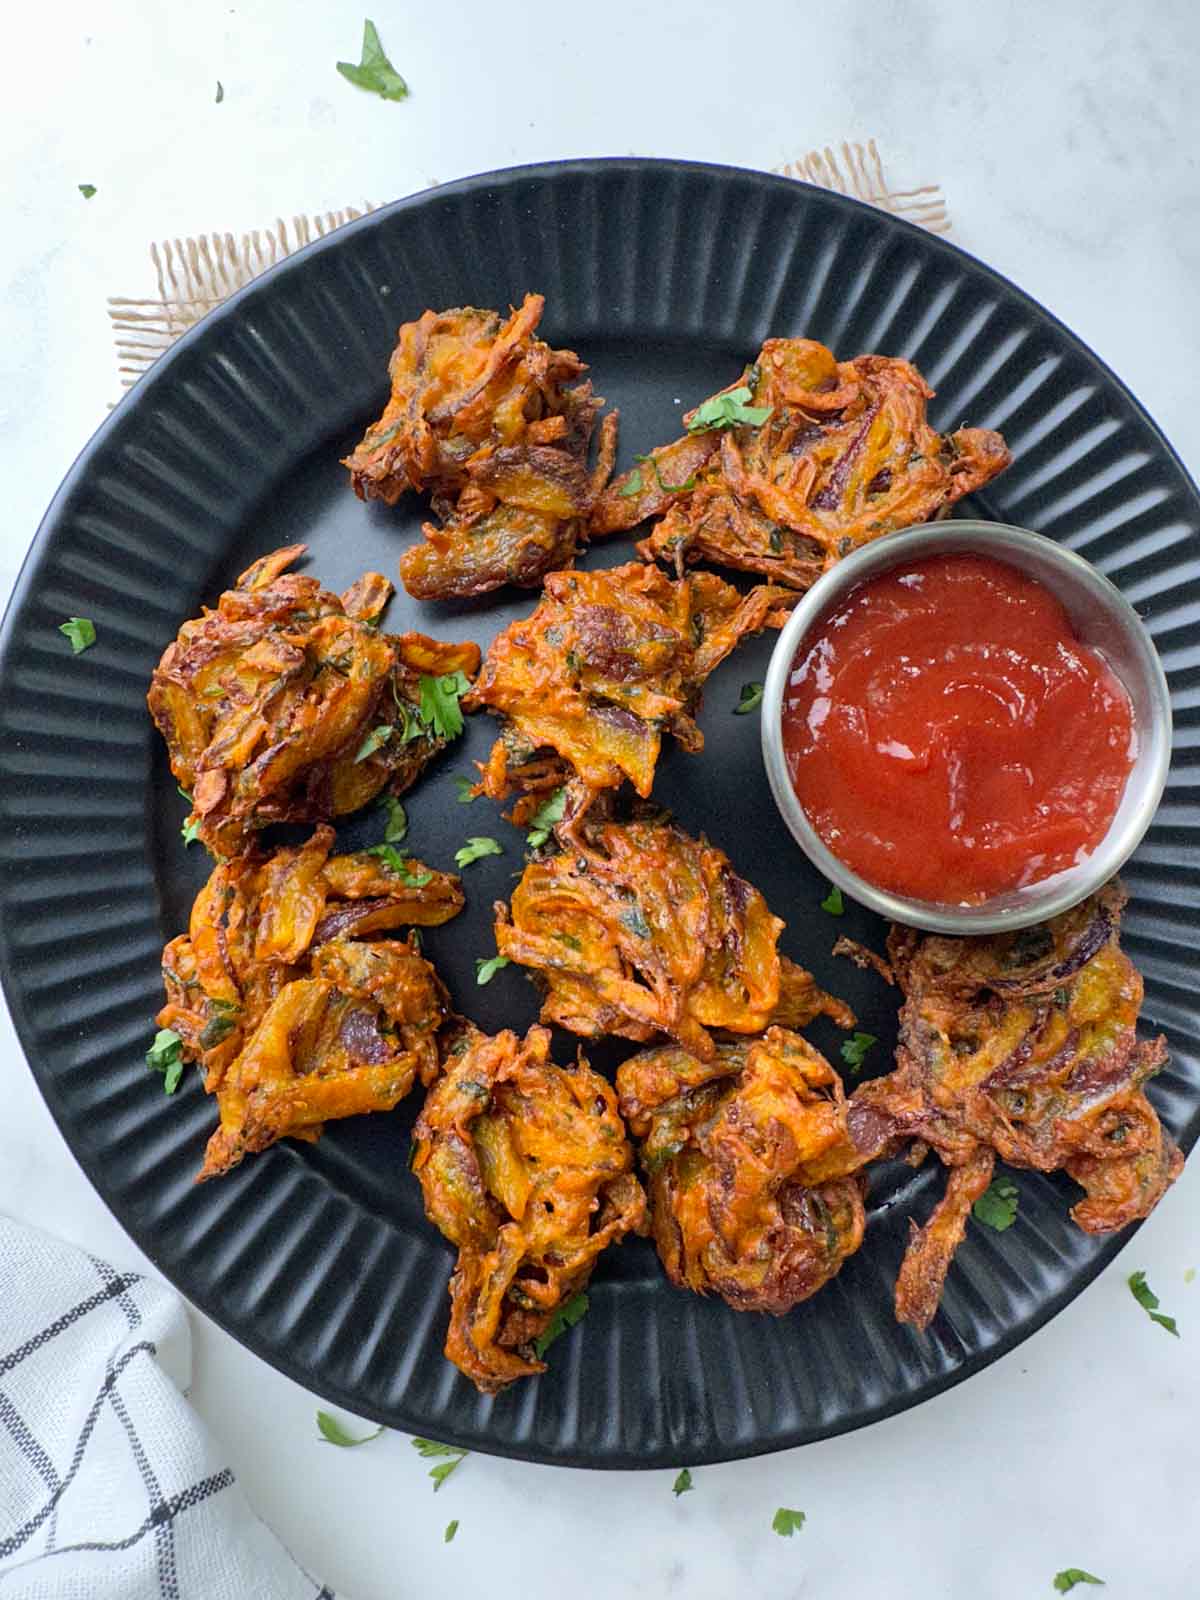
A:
(491, 420)
(608, 660)
(735, 1150)
(525, 1167)
(293, 1021)
(265, 703)
(1024, 1047)
(639, 930)
(845, 456)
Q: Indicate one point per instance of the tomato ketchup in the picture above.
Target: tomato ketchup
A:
(949, 736)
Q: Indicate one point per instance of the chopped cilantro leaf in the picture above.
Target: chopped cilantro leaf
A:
(1148, 1300)
(475, 849)
(396, 861)
(439, 708)
(81, 631)
(397, 819)
(997, 1205)
(485, 971)
(466, 793)
(87, 190)
(730, 410)
(333, 1432)
(374, 71)
(565, 1317)
(1066, 1580)
(429, 1449)
(752, 694)
(451, 1530)
(542, 822)
(786, 1523)
(854, 1050)
(833, 903)
(683, 1483)
(375, 740)
(165, 1055)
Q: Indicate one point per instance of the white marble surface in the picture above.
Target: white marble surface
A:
(1065, 137)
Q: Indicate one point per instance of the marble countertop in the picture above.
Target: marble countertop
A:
(1066, 143)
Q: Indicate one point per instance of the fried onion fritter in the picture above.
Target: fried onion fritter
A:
(286, 703)
(524, 1167)
(737, 1151)
(1021, 1046)
(639, 929)
(605, 663)
(293, 1015)
(492, 421)
(845, 456)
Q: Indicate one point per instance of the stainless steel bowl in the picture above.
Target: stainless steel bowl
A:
(1102, 618)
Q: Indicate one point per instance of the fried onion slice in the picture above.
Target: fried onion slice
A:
(639, 929)
(844, 456)
(293, 1016)
(742, 1155)
(491, 420)
(286, 703)
(607, 661)
(526, 1169)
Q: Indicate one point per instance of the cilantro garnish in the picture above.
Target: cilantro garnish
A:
(565, 1317)
(786, 1523)
(429, 1449)
(165, 1055)
(854, 1050)
(683, 1483)
(1148, 1300)
(1066, 1580)
(397, 819)
(396, 861)
(752, 694)
(439, 707)
(332, 1432)
(542, 822)
(465, 788)
(833, 903)
(87, 190)
(475, 849)
(375, 740)
(374, 71)
(81, 631)
(451, 1530)
(729, 410)
(485, 971)
(997, 1205)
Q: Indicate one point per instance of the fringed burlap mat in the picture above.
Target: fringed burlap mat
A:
(194, 275)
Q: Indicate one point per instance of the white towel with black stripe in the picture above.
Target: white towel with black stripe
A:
(110, 1488)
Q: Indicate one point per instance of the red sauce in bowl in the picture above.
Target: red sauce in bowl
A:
(949, 736)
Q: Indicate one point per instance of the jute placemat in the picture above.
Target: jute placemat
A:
(194, 275)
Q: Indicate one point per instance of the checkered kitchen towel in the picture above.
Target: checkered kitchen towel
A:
(110, 1488)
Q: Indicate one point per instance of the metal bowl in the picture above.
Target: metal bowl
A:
(1102, 618)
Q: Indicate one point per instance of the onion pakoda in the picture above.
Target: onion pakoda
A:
(492, 421)
(607, 661)
(638, 930)
(525, 1167)
(802, 461)
(1021, 1046)
(286, 703)
(749, 1166)
(294, 1015)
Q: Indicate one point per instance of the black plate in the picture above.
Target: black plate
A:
(666, 277)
